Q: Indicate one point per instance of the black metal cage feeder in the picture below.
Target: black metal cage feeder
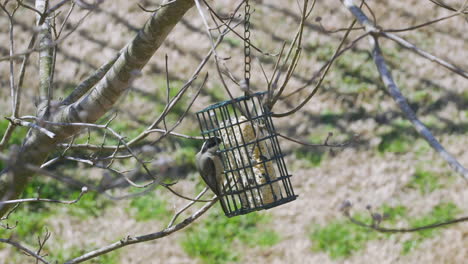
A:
(255, 174)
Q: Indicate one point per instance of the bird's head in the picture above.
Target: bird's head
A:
(211, 145)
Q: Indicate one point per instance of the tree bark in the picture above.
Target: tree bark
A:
(37, 146)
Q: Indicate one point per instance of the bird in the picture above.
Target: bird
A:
(209, 164)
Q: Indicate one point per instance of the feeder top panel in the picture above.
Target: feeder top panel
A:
(235, 100)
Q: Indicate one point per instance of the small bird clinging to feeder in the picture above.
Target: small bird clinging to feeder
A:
(209, 164)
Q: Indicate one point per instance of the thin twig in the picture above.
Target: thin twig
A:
(19, 122)
(176, 215)
(24, 249)
(27, 200)
(294, 61)
(42, 243)
(405, 230)
(395, 92)
(155, 9)
(409, 113)
(231, 28)
(7, 226)
(423, 24)
(404, 43)
(324, 74)
(50, 45)
(324, 66)
(139, 239)
(89, 82)
(325, 143)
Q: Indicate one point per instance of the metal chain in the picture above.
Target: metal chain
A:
(247, 58)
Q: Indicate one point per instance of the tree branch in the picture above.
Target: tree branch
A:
(46, 53)
(95, 104)
(25, 249)
(426, 55)
(133, 240)
(26, 200)
(395, 91)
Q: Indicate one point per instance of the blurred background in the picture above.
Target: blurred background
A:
(388, 167)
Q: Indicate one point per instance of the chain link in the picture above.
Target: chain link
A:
(247, 58)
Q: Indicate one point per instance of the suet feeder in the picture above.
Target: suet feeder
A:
(255, 175)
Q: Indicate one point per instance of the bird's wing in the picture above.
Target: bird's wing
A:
(208, 173)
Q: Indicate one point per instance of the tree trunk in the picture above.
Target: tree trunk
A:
(37, 146)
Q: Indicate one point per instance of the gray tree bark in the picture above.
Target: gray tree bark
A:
(88, 109)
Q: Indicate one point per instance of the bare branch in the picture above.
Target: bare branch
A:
(176, 215)
(144, 133)
(45, 55)
(65, 20)
(7, 215)
(443, 5)
(325, 65)
(57, 6)
(395, 91)
(16, 94)
(318, 85)
(68, 180)
(24, 249)
(133, 240)
(378, 218)
(325, 143)
(42, 243)
(423, 24)
(19, 122)
(89, 82)
(155, 9)
(26, 200)
(409, 113)
(49, 45)
(374, 29)
(12, 51)
(232, 28)
(85, 5)
(424, 54)
(294, 61)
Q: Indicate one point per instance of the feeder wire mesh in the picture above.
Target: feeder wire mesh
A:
(255, 173)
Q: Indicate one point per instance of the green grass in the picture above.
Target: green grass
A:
(90, 204)
(330, 117)
(148, 207)
(235, 42)
(313, 156)
(18, 135)
(395, 142)
(398, 139)
(341, 238)
(217, 94)
(440, 213)
(33, 217)
(423, 97)
(219, 239)
(185, 156)
(16, 138)
(29, 223)
(393, 213)
(175, 86)
(187, 149)
(425, 181)
(125, 128)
